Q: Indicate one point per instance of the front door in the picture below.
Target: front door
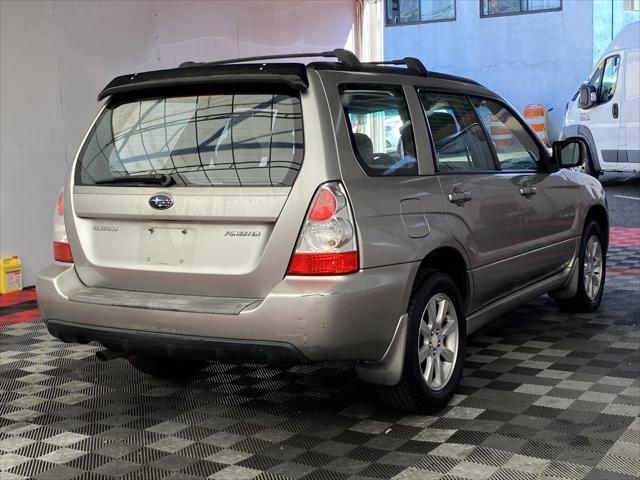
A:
(546, 200)
(481, 204)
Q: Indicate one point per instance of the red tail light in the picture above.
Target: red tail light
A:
(323, 263)
(60, 205)
(62, 252)
(324, 206)
(327, 243)
(61, 248)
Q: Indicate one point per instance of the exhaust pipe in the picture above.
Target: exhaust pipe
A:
(108, 355)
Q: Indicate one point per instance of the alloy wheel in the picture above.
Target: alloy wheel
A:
(438, 341)
(592, 271)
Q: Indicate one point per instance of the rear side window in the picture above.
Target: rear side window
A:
(381, 131)
(632, 75)
(210, 140)
(457, 134)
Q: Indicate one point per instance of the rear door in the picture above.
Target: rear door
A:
(229, 161)
(481, 203)
(629, 154)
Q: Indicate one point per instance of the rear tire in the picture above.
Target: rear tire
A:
(435, 346)
(167, 368)
(592, 270)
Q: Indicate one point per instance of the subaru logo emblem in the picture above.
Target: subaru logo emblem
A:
(160, 201)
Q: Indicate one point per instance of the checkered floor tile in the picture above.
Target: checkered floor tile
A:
(624, 236)
(544, 395)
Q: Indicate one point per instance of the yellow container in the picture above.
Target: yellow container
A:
(10, 275)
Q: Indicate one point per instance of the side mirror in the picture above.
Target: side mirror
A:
(587, 96)
(568, 153)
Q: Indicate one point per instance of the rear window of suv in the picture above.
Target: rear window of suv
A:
(211, 140)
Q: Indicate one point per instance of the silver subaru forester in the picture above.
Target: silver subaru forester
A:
(336, 210)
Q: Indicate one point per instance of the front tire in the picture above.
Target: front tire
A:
(435, 346)
(592, 269)
(166, 368)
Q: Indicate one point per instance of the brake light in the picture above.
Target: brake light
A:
(324, 206)
(327, 243)
(324, 263)
(61, 247)
(62, 252)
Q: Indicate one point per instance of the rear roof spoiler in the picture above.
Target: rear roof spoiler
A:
(290, 75)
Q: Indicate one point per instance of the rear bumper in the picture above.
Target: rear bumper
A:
(353, 317)
(171, 345)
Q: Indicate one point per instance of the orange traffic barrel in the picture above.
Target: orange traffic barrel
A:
(500, 134)
(534, 115)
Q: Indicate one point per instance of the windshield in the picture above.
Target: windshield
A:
(212, 140)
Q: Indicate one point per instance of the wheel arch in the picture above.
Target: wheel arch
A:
(598, 213)
(580, 132)
(449, 260)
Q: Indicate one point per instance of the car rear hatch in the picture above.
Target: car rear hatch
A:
(181, 180)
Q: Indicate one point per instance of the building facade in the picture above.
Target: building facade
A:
(528, 51)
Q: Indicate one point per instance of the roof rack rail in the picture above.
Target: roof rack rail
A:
(347, 58)
(412, 63)
(343, 56)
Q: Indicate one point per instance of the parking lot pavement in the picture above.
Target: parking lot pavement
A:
(623, 196)
(544, 395)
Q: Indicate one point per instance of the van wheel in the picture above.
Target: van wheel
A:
(435, 346)
(166, 368)
(592, 270)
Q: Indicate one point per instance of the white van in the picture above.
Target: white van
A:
(605, 111)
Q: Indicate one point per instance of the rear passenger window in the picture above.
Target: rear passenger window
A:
(458, 137)
(381, 131)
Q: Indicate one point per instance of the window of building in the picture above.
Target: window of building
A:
(515, 147)
(491, 8)
(415, 11)
(632, 5)
(458, 137)
(381, 132)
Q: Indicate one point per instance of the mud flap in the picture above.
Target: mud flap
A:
(388, 370)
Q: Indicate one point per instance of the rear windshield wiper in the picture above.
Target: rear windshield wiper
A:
(161, 179)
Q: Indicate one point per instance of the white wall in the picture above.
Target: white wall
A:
(56, 55)
(528, 58)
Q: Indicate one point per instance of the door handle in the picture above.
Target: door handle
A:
(460, 197)
(614, 110)
(528, 191)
